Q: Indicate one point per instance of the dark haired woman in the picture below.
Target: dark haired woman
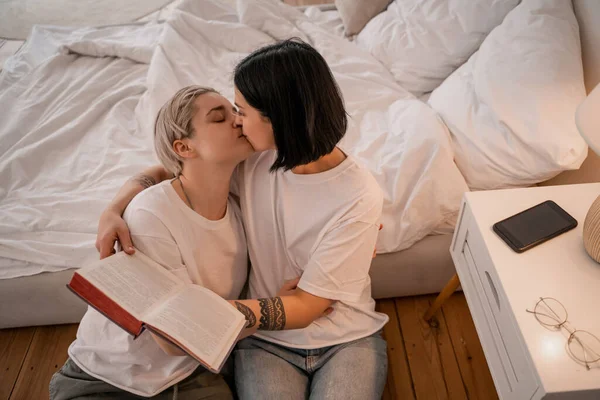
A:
(310, 213)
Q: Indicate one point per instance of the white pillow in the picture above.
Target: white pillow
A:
(422, 41)
(511, 107)
(356, 13)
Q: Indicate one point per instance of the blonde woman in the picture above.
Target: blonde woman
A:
(191, 227)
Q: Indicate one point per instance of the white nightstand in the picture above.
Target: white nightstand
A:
(527, 360)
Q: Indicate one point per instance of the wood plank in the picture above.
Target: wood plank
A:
(386, 393)
(467, 347)
(14, 344)
(399, 382)
(47, 354)
(430, 353)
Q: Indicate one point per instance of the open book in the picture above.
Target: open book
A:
(135, 292)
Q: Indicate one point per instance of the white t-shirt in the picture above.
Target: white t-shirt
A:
(208, 253)
(321, 226)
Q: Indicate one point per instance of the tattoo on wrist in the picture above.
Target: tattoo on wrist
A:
(248, 313)
(144, 180)
(272, 314)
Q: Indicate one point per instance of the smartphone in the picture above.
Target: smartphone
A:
(534, 226)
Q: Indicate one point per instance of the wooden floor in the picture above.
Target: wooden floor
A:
(441, 361)
(444, 362)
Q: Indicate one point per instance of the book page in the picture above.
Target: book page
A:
(201, 321)
(134, 282)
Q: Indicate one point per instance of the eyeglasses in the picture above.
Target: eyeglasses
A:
(583, 346)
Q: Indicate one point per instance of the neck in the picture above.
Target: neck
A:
(325, 163)
(207, 187)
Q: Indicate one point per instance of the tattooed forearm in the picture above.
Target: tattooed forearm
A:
(144, 180)
(272, 314)
(248, 313)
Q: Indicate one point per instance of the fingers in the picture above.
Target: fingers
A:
(125, 241)
(106, 248)
(106, 245)
(289, 287)
(112, 228)
(329, 309)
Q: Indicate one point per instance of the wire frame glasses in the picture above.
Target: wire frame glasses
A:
(583, 346)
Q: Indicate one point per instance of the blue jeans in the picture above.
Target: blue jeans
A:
(353, 370)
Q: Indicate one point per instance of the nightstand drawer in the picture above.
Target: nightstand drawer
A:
(506, 355)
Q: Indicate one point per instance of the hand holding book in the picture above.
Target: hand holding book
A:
(136, 293)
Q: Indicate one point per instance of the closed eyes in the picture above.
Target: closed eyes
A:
(219, 117)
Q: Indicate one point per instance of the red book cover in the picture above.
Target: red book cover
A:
(101, 302)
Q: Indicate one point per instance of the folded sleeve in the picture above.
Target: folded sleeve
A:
(339, 267)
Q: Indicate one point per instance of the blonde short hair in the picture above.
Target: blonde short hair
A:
(174, 122)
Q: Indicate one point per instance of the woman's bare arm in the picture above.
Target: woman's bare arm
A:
(286, 312)
(111, 227)
(293, 308)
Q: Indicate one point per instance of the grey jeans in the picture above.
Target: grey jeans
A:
(353, 370)
(71, 382)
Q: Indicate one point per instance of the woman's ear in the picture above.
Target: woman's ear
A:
(183, 149)
(264, 118)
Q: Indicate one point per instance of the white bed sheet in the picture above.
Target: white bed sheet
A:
(327, 19)
(69, 138)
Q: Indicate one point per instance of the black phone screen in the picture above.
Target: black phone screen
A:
(535, 225)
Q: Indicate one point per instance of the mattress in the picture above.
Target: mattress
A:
(43, 299)
(40, 299)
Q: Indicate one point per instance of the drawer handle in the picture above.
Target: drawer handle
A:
(494, 291)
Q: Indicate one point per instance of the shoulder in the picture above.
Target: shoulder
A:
(146, 212)
(152, 228)
(363, 191)
(154, 197)
(370, 186)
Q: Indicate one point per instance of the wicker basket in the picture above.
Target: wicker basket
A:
(591, 231)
